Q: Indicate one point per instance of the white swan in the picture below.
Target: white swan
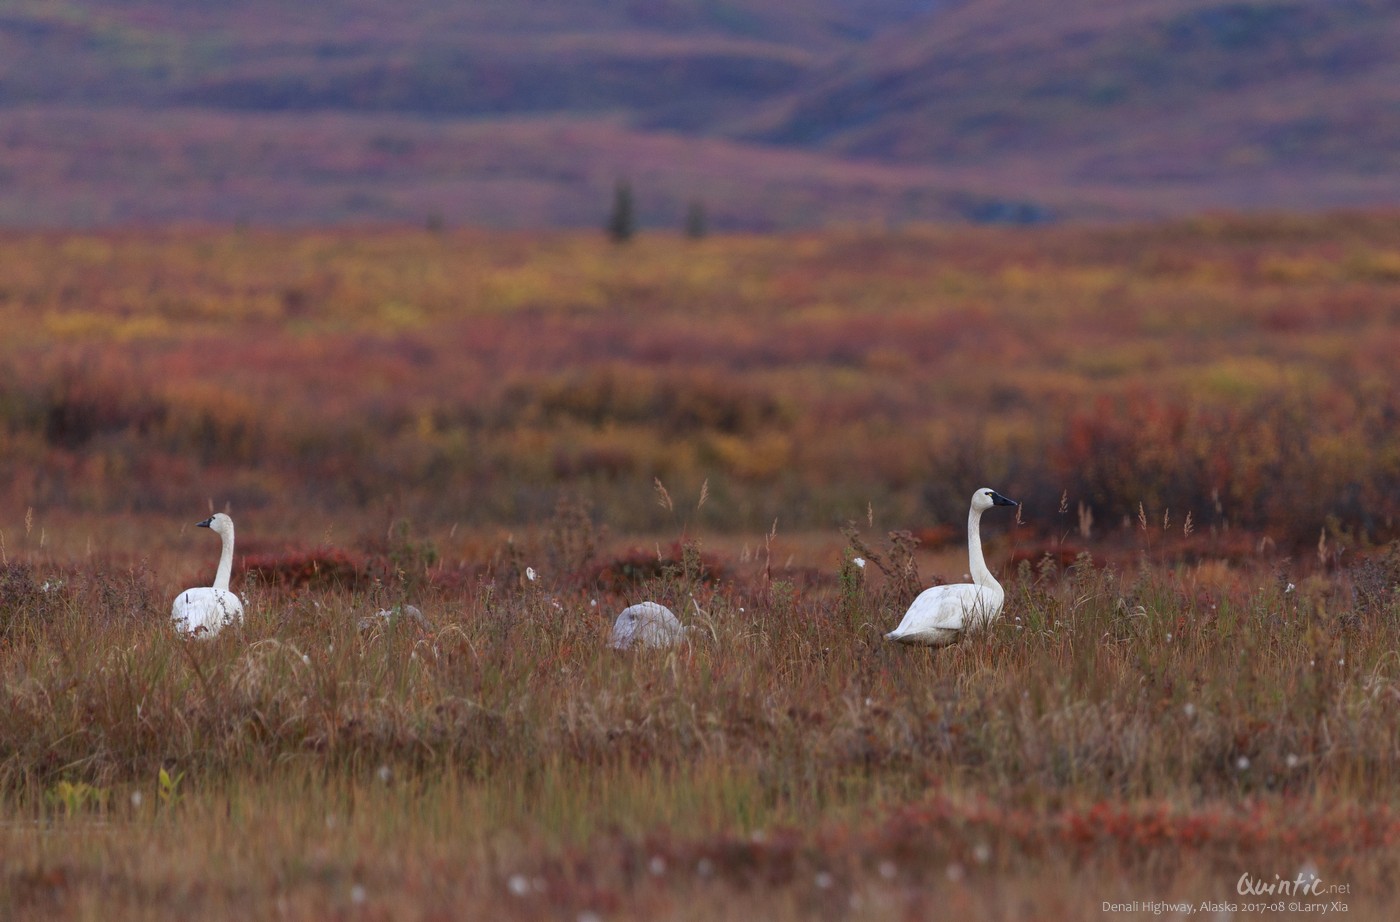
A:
(648, 624)
(940, 615)
(206, 610)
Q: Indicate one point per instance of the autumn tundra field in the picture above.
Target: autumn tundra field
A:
(1191, 696)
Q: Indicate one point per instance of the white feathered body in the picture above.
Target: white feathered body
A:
(646, 624)
(941, 614)
(205, 610)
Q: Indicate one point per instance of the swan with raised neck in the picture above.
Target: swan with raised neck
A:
(940, 615)
(206, 610)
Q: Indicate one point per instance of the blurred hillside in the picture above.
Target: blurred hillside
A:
(773, 116)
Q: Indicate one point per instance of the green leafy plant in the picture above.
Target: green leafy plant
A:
(76, 796)
(168, 787)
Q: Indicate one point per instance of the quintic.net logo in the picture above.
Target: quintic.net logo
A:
(1305, 883)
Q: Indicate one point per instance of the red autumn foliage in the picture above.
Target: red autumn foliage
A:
(637, 566)
(1238, 370)
(318, 568)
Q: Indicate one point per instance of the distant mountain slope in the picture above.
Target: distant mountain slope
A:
(672, 82)
(438, 56)
(790, 114)
(1125, 89)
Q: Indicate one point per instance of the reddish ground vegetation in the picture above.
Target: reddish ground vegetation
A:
(1098, 375)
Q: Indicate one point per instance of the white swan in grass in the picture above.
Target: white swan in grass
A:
(647, 624)
(940, 615)
(207, 609)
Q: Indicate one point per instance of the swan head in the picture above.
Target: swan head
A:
(986, 498)
(218, 523)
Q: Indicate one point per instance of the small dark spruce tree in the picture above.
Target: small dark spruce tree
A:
(695, 220)
(622, 223)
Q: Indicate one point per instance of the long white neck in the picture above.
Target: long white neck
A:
(977, 564)
(221, 577)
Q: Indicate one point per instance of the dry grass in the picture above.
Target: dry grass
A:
(1152, 733)
(396, 417)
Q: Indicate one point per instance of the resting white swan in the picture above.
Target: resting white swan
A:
(940, 615)
(648, 624)
(206, 610)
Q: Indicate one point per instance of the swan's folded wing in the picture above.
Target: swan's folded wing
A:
(937, 609)
(942, 610)
(205, 607)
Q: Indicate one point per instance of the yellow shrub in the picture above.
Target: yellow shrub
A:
(756, 458)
